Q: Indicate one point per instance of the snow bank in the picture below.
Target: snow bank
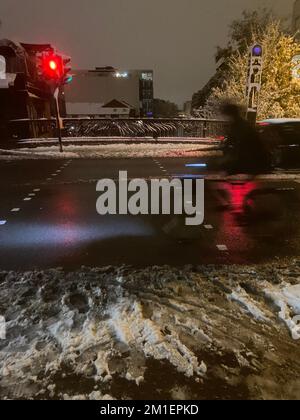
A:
(117, 332)
(112, 139)
(131, 328)
(242, 298)
(111, 151)
(287, 299)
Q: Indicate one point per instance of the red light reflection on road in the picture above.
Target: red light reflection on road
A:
(239, 197)
(237, 201)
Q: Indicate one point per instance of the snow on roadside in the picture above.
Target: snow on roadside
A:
(102, 333)
(131, 328)
(240, 296)
(111, 151)
(67, 140)
(287, 299)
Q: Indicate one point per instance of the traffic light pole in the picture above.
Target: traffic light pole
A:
(254, 82)
(58, 119)
(52, 69)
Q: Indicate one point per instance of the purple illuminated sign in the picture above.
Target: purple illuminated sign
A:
(257, 51)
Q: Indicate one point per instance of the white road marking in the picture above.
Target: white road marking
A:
(27, 199)
(222, 248)
(37, 190)
(31, 195)
(208, 227)
(15, 210)
(2, 222)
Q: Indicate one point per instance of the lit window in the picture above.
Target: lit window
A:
(147, 76)
(123, 75)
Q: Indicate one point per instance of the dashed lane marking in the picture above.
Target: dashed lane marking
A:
(37, 190)
(27, 199)
(208, 227)
(2, 222)
(222, 248)
(15, 210)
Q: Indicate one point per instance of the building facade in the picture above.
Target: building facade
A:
(92, 91)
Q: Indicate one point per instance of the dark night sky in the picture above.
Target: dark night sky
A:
(177, 38)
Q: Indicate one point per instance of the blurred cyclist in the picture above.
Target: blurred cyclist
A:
(244, 150)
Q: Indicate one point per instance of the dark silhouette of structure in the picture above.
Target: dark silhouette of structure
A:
(23, 95)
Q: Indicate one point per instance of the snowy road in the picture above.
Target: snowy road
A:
(48, 218)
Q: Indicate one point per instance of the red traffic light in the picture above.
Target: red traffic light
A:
(54, 67)
(50, 66)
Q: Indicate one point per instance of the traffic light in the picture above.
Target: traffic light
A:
(254, 81)
(50, 66)
(257, 50)
(54, 68)
(67, 77)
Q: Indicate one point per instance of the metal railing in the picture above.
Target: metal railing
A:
(98, 127)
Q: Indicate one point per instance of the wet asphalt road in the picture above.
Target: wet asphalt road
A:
(48, 218)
